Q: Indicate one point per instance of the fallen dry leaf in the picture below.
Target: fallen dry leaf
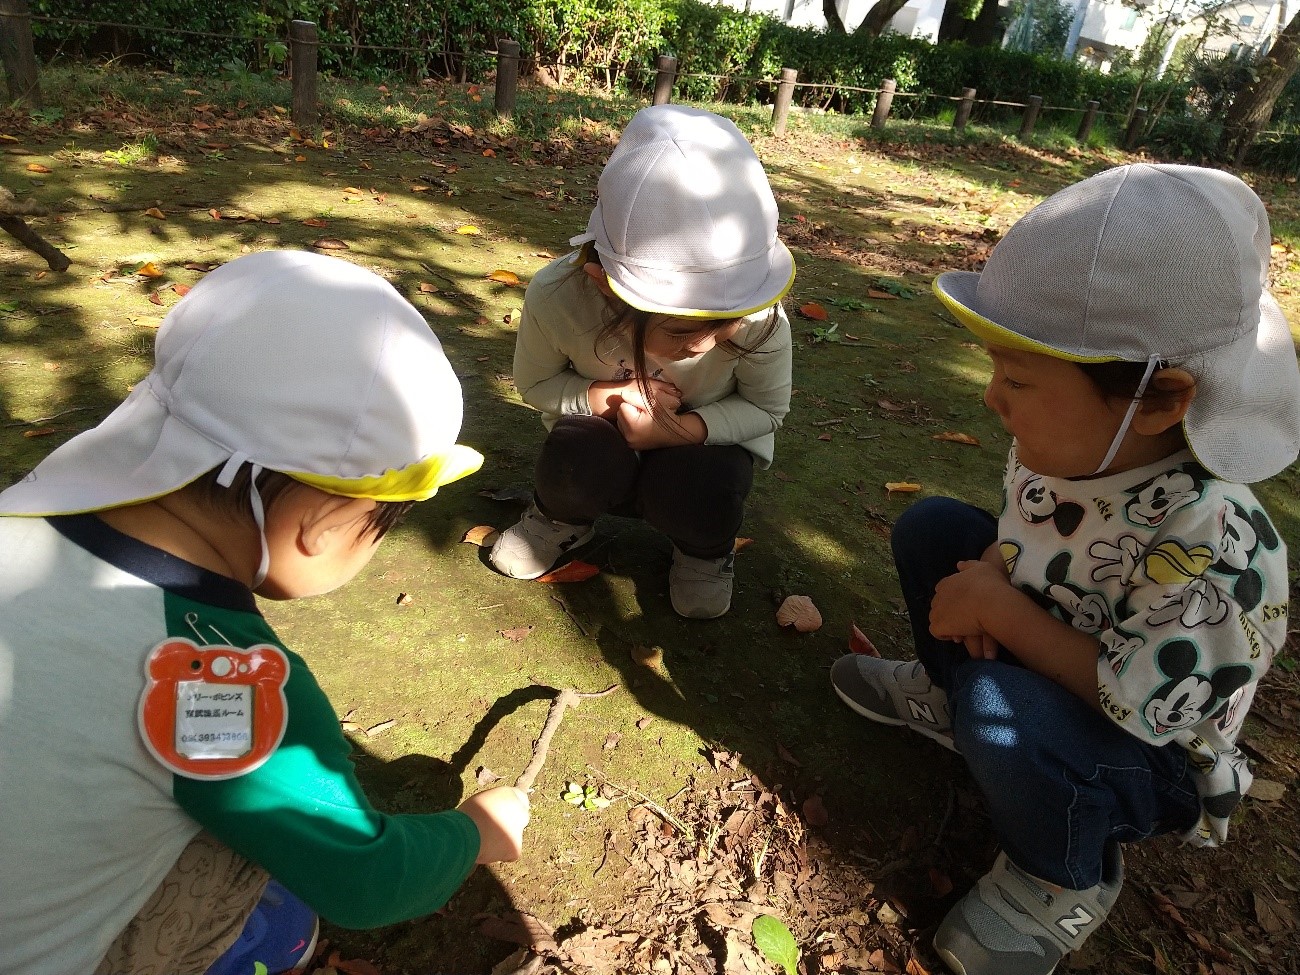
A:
(38, 168)
(404, 599)
(518, 928)
(814, 811)
(575, 571)
(813, 311)
(881, 295)
(469, 230)
(799, 612)
(651, 657)
(505, 277)
(316, 222)
(329, 244)
(40, 432)
(1266, 790)
(481, 535)
(181, 289)
(742, 544)
(214, 214)
(902, 487)
(515, 634)
(644, 723)
(352, 966)
(383, 726)
(940, 882)
(860, 643)
(155, 213)
(952, 437)
(485, 776)
(149, 270)
(428, 289)
(154, 298)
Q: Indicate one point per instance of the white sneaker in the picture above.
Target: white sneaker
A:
(532, 546)
(700, 588)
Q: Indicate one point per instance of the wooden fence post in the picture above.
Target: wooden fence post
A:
(1085, 124)
(667, 74)
(964, 109)
(303, 48)
(884, 99)
(1031, 117)
(507, 76)
(1135, 126)
(784, 95)
(18, 54)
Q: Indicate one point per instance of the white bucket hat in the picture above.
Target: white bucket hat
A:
(1159, 264)
(286, 360)
(685, 221)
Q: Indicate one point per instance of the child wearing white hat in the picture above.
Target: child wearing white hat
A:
(1092, 652)
(163, 753)
(659, 355)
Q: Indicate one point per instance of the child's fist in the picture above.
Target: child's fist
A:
(500, 815)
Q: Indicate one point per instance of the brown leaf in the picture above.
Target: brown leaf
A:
(481, 535)
(885, 404)
(914, 967)
(742, 544)
(485, 776)
(40, 432)
(520, 929)
(575, 571)
(38, 168)
(155, 213)
(785, 755)
(1266, 790)
(355, 966)
(316, 222)
(404, 599)
(181, 289)
(860, 643)
(651, 657)
(813, 311)
(215, 214)
(428, 289)
(951, 437)
(329, 244)
(799, 612)
(489, 153)
(505, 277)
(149, 270)
(644, 723)
(824, 436)
(881, 295)
(153, 297)
(611, 741)
(902, 487)
(376, 729)
(940, 882)
(814, 811)
(515, 634)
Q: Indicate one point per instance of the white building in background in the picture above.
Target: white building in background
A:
(919, 18)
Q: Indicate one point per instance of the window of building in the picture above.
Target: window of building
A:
(1247, 20)
(1130, 20)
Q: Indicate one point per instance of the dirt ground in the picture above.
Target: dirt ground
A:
(737, 786)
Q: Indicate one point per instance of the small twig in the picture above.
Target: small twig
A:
(573, 619)
(45, 419)
(649, 803)
(827, 423)
(947, 814)
(564, 700)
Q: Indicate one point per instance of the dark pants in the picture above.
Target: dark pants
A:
(1059, 778)
(694, 494)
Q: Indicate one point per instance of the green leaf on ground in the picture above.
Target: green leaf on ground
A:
(776, 943)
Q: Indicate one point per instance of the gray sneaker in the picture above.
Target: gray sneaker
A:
(534, 544)
(1013, 924)
(701, 588)
(894, 692)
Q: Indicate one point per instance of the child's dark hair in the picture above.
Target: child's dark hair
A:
(270, 485)
(1120, 380)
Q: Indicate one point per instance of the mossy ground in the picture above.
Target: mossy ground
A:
(864, 219)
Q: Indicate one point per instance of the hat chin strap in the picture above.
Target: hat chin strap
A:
(1117, 442)
(225, 478)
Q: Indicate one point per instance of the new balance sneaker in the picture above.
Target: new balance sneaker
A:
(534, 544)
(894, 692)
(701, 588)
(280, 935)
(1014, 924)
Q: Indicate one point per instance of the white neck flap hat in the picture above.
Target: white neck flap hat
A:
(286, 360)
(685, 222)
(1159, 264)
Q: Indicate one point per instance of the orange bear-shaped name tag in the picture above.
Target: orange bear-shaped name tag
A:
(213, 712)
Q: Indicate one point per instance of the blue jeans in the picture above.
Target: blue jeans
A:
(1059, 778)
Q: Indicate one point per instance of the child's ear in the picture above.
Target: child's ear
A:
(1177, 389)
(597, 274)
(328, 522)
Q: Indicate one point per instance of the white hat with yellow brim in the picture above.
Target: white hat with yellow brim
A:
(1157, 264)
(686, 223)
(286, 360)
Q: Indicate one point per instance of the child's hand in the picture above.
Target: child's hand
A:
(604, 398)
(962, 599)
(644, 430)
(500, 815)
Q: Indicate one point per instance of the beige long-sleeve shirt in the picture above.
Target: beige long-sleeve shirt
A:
(741, 399)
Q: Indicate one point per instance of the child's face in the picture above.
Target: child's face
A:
(1062, 423)
(667, 337)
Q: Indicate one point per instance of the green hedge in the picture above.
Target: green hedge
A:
(606, 40)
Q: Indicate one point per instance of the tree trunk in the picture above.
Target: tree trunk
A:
(982, 30)
(834, 22)
(878, 17)
(1253, 106)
